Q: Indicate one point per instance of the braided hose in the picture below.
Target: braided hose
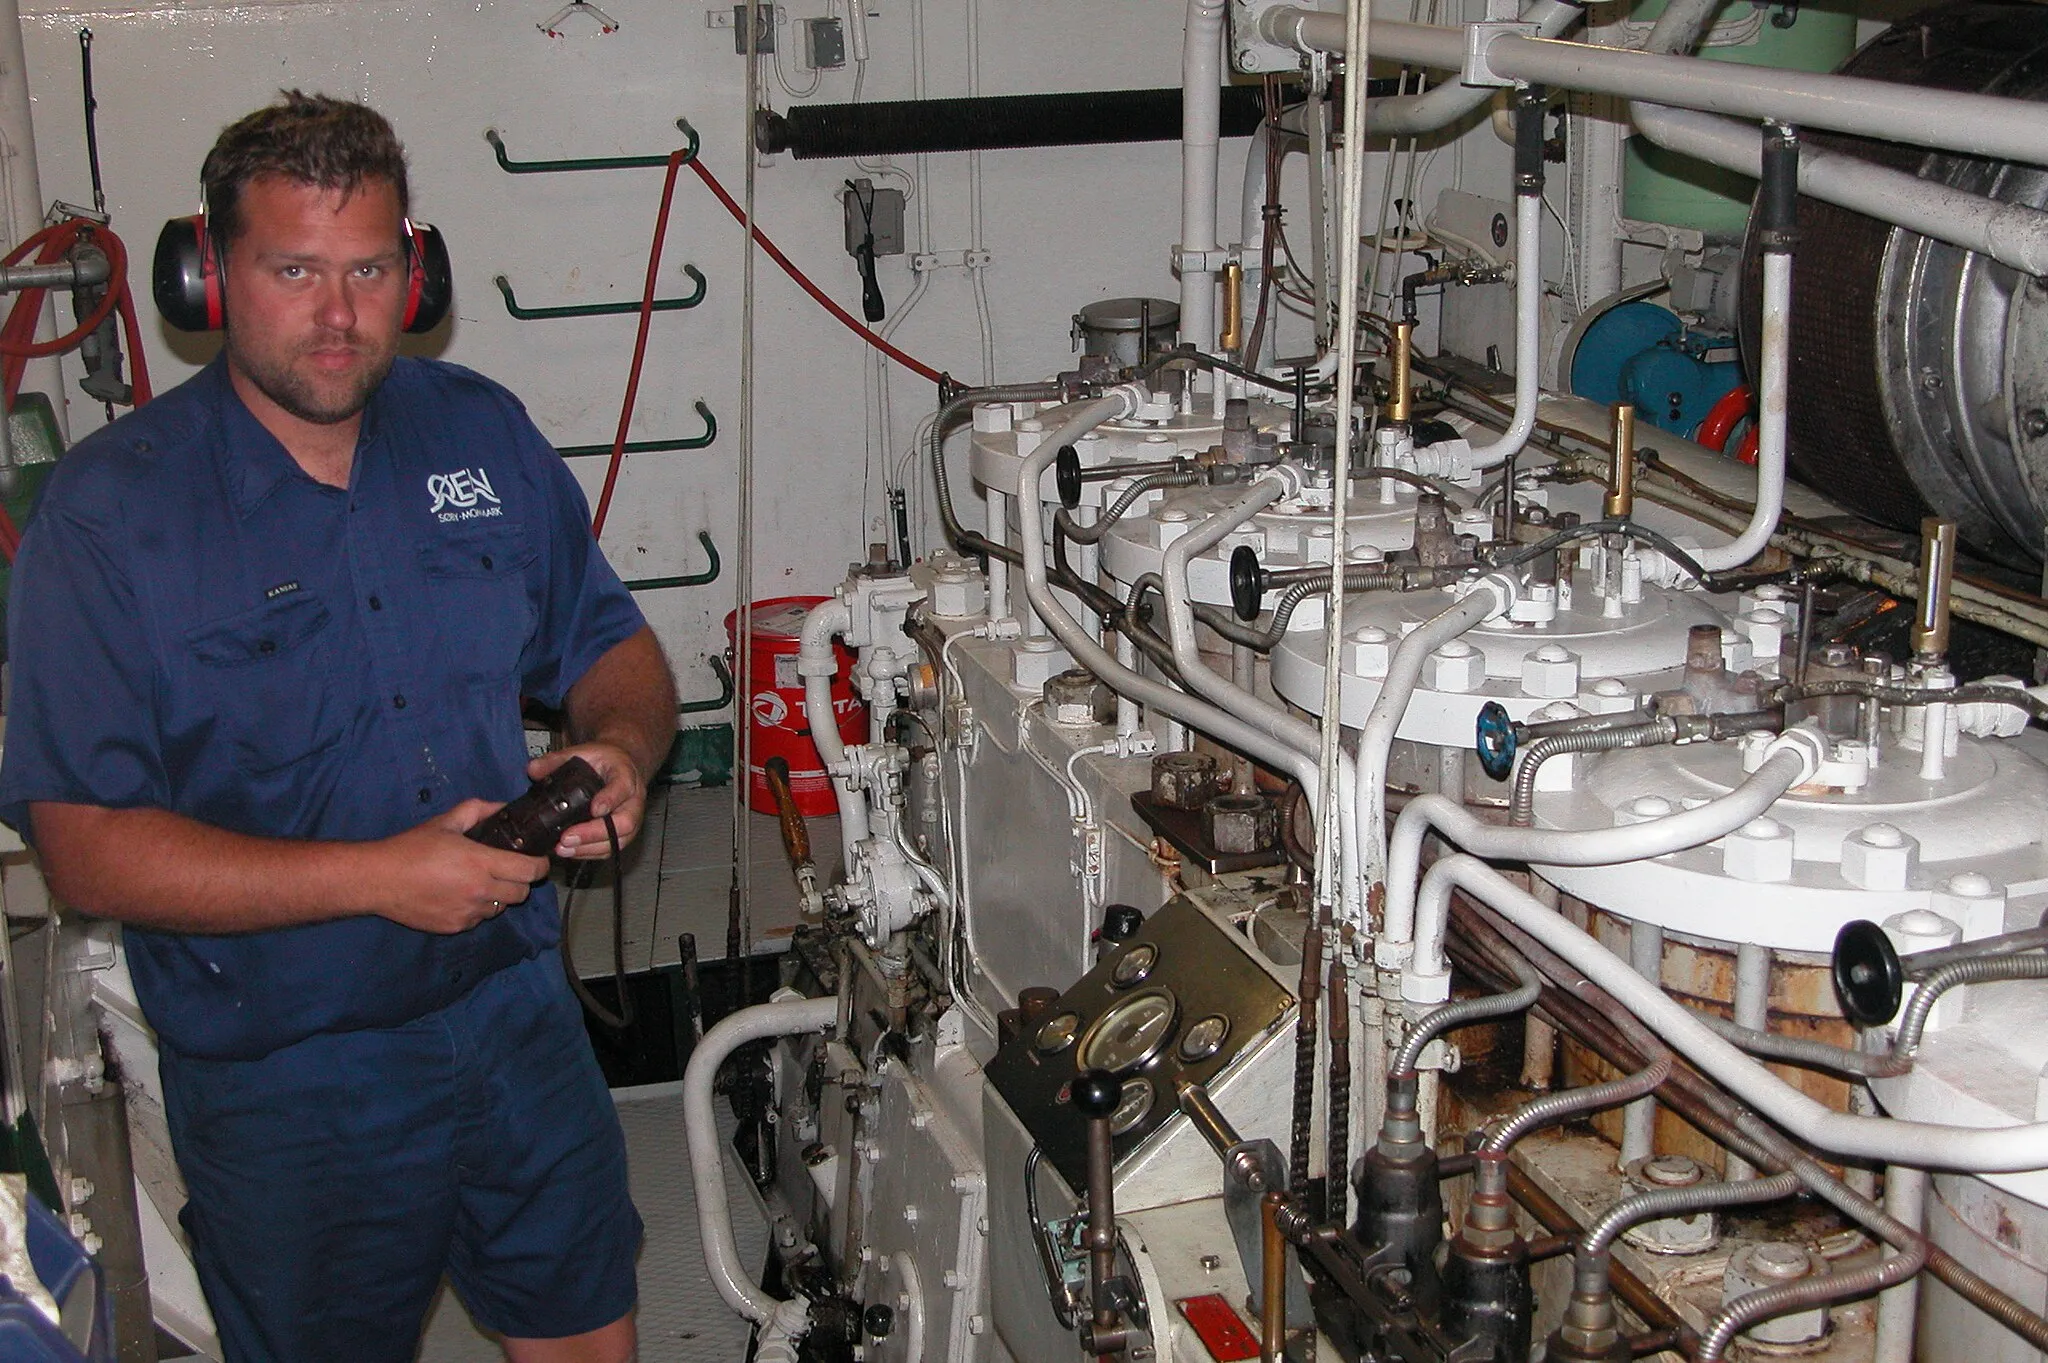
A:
(1981, 970)
(1777, 1301)
(1521, 805)
(1553, 1108)
(1464, 1012)
(1151, 482)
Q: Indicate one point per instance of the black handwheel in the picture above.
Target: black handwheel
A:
(1066, 476)
(1119, 921)
(1869, 982)
(1247, 583)
(1495, 741)
(1096, 1093)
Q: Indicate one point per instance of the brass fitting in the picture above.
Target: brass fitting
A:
(1400, 402)
(1621, 482)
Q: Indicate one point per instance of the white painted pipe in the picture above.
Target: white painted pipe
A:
(1639, 1118)
(1278, 724)
(1490, 598)
(1773, 386)
(2012, 234)
(818, 665)
(1751, 1006)
(1898, 1308)
(1201, 115)
(1528, 334)
(790, 1017)
(1796, 757)
(2005, 1149)
(1980, 125)
(1445, 104)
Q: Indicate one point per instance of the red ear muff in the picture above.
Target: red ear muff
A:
(430, 285)
(185, 279)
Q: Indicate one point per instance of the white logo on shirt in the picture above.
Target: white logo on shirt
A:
(464, 488)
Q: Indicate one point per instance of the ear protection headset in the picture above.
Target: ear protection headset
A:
(187, 280)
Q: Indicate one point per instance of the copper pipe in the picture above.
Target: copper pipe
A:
(1937, 579)
(1232, 335)
(1273, 1281)
(1400, 403)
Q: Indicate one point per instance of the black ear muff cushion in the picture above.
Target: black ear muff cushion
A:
(181, 278)
(431, 289)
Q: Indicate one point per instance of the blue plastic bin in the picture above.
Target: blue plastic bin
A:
(74, 1280)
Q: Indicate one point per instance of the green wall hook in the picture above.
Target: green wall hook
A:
(527, 314)
(688, 442)
(512, 167)
(698, 707)
(710, 574)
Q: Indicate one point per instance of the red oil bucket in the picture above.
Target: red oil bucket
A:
(775, 705)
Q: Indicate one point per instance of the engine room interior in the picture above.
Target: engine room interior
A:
(1358, 682)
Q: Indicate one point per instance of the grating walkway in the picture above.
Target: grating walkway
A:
(681, 1318)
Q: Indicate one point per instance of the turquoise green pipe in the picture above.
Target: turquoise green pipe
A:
(649, 584)
(507, 164)
(688, 442)
(526, 314)
(698, 707)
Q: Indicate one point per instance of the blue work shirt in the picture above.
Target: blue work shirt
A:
(197, 625)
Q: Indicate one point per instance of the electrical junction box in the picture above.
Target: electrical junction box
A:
(765, 19)
(824, 44)
(873, 210)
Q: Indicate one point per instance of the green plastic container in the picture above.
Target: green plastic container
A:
(1662, 186)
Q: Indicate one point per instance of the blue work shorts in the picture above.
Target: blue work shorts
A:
(334, 1182)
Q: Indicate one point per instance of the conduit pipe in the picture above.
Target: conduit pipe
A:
(1979, 125)
(1413, 932)
(818, 664)
(1413, 115)
(1201, 105)
(2005, 1149)
(1279, 725)
(1528, 290)
(788, 1017)
(1219, 724)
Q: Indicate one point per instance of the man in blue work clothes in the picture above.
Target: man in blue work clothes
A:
(269, 637)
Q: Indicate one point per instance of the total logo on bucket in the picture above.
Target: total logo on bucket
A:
(771, 709)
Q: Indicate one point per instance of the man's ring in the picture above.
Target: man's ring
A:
(497, 904)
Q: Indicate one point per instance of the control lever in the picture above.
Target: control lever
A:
(796, 834)
(1096, 1094)
(534, 822)
(1069, 477)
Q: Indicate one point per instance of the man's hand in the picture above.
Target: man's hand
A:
(439, 881)
(624, 797)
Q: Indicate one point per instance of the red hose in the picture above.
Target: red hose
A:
(1722, 416)
(803, 282)
(1746, 454)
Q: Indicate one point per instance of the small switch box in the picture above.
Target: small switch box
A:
(824, 44)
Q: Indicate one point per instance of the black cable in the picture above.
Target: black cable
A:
(1201, 361)
(622, 1019)
(871, 305)
(1595, 530)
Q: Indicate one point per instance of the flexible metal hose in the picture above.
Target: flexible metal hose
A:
(1816, 1291)
(1462, 1013)
(1813, 1054)
(1521, 804)
(2020, 697)
(1553, 1108)
(952, 408)
(1151, 482)
(1659, 1203)
(1982, 970)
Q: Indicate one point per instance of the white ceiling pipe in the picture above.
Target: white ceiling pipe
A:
(1774, 383)
(1201, 116)
(1980, 125)
(1528, 334)
(1412, 115)
(2012, 234)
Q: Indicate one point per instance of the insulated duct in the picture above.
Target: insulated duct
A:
(1920, 372)
(992, 122)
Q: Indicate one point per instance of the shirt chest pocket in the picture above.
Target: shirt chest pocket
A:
(264, 675)
(476, 587)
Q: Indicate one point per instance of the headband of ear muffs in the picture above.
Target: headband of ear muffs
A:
(186, 277)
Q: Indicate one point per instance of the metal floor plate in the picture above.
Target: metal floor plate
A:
(681, 1318)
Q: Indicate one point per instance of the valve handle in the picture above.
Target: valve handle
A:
(1096, 1094)
(1869, 981)
(1066, 476)
(1247, 583)
(1495, 741)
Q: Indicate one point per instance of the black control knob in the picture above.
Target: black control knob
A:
(878, 1320)
(1119, 921)
(1066, 476)
(1869, 981)
(1247, 583)
(1096, 1094)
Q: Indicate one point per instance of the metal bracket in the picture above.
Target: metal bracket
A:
(511, 167)
(527, 314)
(710, 574)
(1478, 37)
(725, 690)
(688, 442)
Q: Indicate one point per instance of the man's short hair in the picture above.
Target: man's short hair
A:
(311, 139)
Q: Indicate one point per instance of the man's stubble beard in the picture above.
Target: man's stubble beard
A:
(290, 391)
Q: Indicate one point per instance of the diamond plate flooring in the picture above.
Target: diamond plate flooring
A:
(681, 1318)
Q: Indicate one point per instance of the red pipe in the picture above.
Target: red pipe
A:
(1732, 407)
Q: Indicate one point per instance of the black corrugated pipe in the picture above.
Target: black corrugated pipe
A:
(993, 122)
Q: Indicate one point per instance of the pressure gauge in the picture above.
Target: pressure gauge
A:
(1204, 1037)
(1058, 1033)
(1131, 1033)
(1132, 1107)
(1134, 965)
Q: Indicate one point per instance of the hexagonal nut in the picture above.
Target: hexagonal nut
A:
(1879, 856)
(1456, 667)
(1552, 672)
(958, 590)
(1368, 650)
(1184, 780)
(1766, 630)
(1774, 1263)
(1973, 900)
(1036, 662)
(1644, 809)
(1238, 825)
(1760, 851)
(1073, 698)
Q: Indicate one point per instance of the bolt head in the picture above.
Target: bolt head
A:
(1456, 667)
(1760, 851)
(1552, 671)
(1879, 857)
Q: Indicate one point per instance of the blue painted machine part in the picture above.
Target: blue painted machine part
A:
(1643, 354)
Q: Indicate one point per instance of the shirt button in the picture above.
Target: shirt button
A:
(398, 702)
(376, 603)
(267, 646)
(425, 794)
(487, 561)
